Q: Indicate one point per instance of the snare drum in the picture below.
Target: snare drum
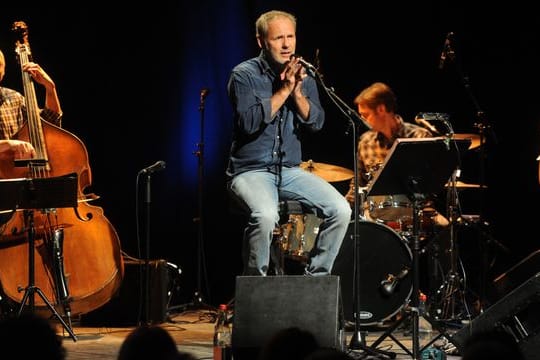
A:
(389, 207)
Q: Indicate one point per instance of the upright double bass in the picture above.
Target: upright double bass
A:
(78, 260)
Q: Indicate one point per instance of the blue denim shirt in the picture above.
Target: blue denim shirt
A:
(259, 141)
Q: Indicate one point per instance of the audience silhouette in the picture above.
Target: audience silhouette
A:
(289, 343)
(151, 342)
(31, 336)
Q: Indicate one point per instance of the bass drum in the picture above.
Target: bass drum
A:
(382, 254)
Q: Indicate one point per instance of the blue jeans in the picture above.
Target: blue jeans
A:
(260, 191)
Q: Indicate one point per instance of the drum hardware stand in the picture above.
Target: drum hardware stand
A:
(482, 126)
(30, 194)
(454, 283)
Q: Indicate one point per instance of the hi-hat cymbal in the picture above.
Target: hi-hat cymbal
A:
(328, 172)
(475, 139)
(462, 185)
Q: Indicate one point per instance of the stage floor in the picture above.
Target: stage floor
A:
(193, 332)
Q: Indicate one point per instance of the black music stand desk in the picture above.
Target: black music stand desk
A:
(41, 193)
(416, 167)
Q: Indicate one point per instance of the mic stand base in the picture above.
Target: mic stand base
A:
(28, 296)
(389, 333)
(196, 304)
(358, 343)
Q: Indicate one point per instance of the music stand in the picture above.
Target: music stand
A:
(416, 167)
(42, 193)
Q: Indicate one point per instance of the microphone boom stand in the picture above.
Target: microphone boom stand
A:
(198, 302)
(358, 341)
(147, 252)
(145, 302)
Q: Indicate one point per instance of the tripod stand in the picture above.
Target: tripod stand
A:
(147, 172)
(399, 175)
(31, 289)
(453, 285)
(29, 194)
(198, 301)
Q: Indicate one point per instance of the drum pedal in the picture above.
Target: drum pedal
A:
(432, 353)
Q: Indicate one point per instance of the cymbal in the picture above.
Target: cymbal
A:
(328, 172)
(462, 185)
(475, 139)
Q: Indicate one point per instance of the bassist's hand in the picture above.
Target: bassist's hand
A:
(11, 149)
(38, 74)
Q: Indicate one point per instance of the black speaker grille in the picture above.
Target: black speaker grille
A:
(266, 304)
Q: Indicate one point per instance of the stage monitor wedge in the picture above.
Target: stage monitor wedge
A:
(518, 314)
(264, 305)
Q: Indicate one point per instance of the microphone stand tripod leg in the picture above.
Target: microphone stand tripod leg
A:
(29, 295)
(56, 314)
(413, 307)
(358, 341)
(31, 289)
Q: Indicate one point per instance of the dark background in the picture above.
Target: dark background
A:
(129, 79)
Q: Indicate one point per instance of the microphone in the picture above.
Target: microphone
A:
(425, 124)
(389, 284)
(311, 70)
(204, 93)
(424, 119)
(159, 165)
(446, 51)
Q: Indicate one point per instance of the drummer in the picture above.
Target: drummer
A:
(377, 104)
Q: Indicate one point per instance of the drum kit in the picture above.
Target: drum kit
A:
(385, 230)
